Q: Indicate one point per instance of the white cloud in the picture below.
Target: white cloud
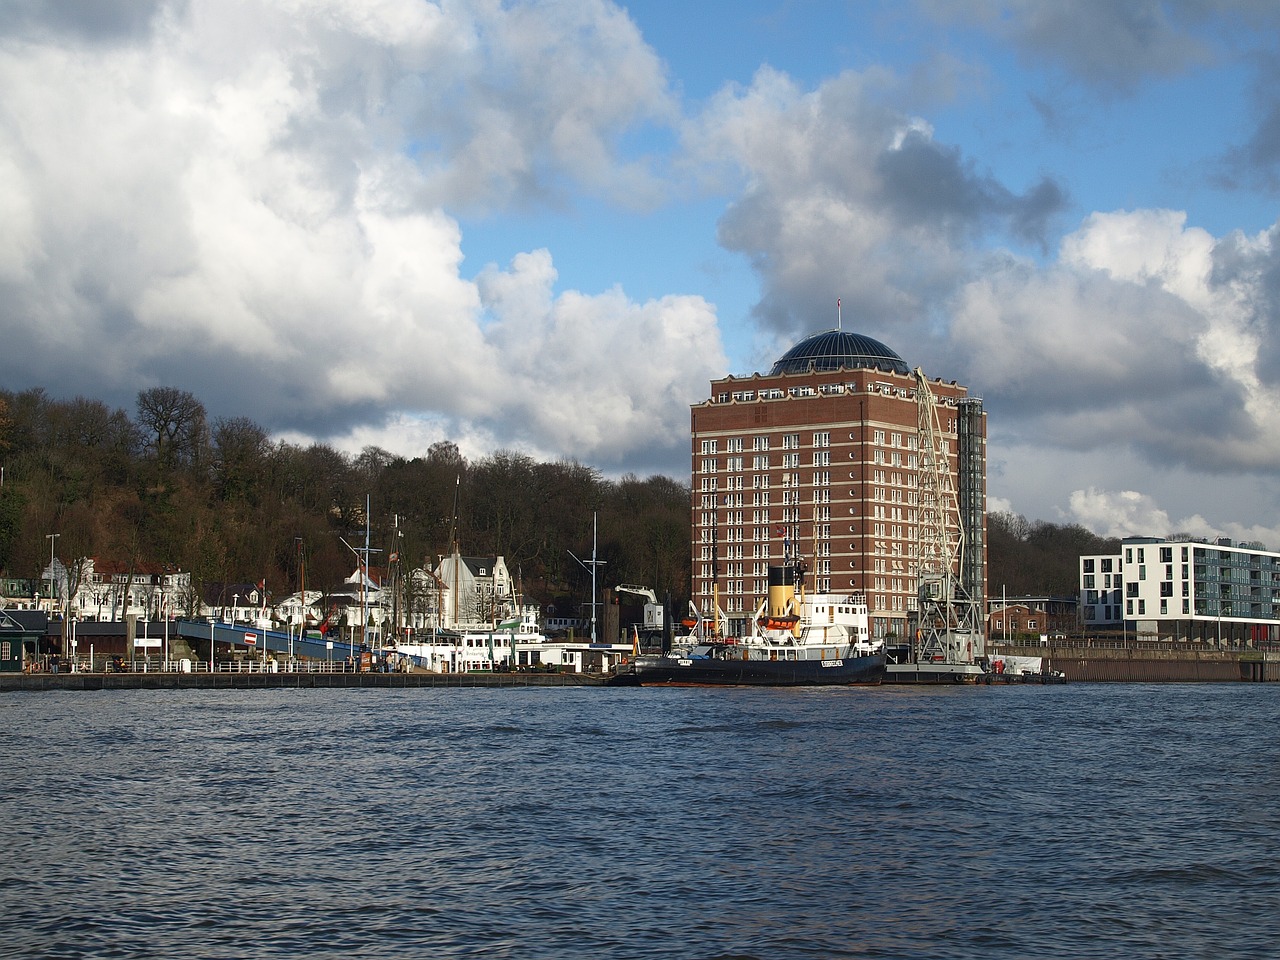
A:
(252, 201)
(1138, 337)
(845, 197)
(1124, 513)
(1128, 513)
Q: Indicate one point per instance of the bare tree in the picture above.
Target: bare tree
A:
(240, 449)
(177, 421)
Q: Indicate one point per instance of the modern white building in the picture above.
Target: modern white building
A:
(1219, 592)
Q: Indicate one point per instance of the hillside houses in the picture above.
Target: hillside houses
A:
(459, 593)
(109, 590)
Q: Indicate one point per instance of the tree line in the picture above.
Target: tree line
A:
(220, 499)
(167, 486)
(1038, 558)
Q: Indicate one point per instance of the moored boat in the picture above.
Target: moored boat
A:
(799, 639)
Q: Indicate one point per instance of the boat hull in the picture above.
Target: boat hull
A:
(649, 671)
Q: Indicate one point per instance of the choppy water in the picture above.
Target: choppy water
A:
(1079, 821)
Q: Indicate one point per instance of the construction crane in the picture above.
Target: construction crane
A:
(653, 612)
(950, 624)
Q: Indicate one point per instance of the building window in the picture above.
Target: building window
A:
(1088, 565)
(822, 439)
(708, 446)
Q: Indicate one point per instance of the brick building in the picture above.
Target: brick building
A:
(1017, 618)
(819, 459)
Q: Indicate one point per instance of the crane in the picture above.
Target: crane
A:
(950, 623)
(653, 611)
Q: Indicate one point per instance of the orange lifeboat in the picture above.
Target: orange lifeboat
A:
(787, 622)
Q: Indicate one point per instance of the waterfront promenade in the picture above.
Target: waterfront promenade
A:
(173, 680)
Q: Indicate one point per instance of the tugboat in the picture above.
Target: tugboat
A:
(820, 639)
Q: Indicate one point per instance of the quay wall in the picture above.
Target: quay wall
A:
(1128, 665)
(10, 682)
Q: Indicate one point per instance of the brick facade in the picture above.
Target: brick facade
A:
(823, 465)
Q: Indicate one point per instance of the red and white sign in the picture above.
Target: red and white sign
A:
(251, 638)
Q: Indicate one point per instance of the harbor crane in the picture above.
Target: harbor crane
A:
(654, 616)
(950, 624)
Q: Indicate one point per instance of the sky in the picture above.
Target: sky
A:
(547, 226)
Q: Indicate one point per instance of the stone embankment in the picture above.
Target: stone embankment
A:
(273, 681)
(1156, 663)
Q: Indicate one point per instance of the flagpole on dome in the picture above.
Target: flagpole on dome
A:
(839, 316)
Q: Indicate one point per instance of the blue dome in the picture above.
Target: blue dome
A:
(835, 350)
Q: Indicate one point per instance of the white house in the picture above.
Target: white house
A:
(474, 591)
(109, 590)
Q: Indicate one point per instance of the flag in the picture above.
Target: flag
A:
(635, 645)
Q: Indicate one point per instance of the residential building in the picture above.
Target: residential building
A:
(1016, 618)
(110, 590)
(819, 459)
(473, 591)
(1219, 592)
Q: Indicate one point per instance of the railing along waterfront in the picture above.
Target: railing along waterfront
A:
(106, 663)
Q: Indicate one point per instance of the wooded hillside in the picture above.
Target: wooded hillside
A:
(220, 499)
(223, 501)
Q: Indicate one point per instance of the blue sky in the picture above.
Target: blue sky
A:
(545, 226)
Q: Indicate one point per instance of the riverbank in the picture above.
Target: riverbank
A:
(1154, 664)
(172, 680)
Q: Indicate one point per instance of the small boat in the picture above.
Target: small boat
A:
(800, 639)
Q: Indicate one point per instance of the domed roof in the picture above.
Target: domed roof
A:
(834, 349)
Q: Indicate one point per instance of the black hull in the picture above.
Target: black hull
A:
(695, 672)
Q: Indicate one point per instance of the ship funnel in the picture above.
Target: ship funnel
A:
(781, 614)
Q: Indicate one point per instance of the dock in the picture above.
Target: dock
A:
(172, 680)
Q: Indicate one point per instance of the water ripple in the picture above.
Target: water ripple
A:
(1068, 822)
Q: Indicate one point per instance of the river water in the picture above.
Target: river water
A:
(1076, 821)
